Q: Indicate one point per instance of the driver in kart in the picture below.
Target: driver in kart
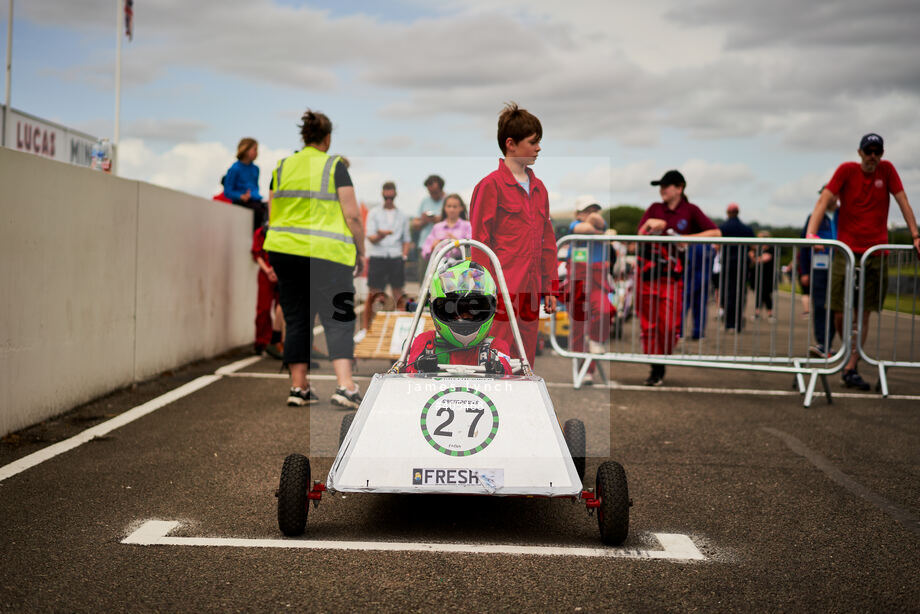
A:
(463, 302)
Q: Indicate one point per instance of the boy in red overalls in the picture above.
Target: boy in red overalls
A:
(509, 212)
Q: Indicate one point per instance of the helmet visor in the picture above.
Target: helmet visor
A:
(467, 280)
(473, 309)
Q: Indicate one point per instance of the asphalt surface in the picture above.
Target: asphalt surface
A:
(794, 509)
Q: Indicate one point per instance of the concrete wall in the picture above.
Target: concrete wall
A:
(106, 281)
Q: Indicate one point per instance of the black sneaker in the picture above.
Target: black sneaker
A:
(298, 397)
(852, 379)
(348, 400)
(656, 377)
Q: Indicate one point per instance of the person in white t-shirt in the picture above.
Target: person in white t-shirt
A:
(428, 216)
(387, 230)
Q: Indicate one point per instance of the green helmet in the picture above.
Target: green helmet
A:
(463, 302)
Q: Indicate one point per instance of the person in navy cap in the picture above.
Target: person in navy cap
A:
(862, 221)
(660, 273)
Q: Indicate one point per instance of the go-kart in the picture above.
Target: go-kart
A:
(459, 430)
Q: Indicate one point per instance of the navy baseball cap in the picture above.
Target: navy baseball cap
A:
(871, 139)
(672, 177)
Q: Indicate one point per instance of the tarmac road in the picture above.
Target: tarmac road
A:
(792, 509)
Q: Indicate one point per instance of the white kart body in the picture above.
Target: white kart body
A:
(457, 434)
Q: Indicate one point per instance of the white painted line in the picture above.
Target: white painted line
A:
(273, 375)
(676, 547)
(108, 426)
(233, 367)
(318, 376)
(638, 388)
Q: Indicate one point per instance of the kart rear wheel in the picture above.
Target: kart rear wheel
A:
(613, 513)
(573, 431)
(292, 495)
(347, 419)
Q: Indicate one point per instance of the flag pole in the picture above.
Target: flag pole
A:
(9, 70)
(118, 18)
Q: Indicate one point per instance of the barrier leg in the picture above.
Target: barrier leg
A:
(882, 379)
(799, 380)
(578, 374)
(602, 371)
(827, 389)
(810, 392)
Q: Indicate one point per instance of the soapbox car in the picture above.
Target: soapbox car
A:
(459, 430)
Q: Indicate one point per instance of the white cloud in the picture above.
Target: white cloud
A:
(195, 168)
(591, 71)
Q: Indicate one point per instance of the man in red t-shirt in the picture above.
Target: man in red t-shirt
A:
(862, 221)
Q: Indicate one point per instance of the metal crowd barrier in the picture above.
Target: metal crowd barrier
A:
(752, 279)
(900, 320)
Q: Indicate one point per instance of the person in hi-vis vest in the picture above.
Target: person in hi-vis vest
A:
(315, 242)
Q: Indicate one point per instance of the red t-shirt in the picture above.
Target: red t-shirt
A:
(862, 220)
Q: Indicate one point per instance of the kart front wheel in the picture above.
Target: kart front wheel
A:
(613, 513)
(573, 431)
(347, 419)
(292, 495)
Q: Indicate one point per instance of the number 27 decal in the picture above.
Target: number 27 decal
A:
(450, 418)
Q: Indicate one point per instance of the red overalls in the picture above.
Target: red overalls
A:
(516, 225)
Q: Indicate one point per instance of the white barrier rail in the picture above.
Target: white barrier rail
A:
(649, 294)
(903, 321)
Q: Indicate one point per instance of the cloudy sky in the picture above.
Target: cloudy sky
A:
(754, 102)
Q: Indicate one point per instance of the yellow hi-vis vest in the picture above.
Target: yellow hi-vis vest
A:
(306, 218)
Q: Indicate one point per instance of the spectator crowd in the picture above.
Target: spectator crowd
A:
(311, 240)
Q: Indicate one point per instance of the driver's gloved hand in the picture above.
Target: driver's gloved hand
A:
(494, 364)
(427, 364)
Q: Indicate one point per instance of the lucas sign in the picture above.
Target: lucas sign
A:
(36, 136)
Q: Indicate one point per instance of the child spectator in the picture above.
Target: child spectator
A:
(268, 328)
(453, 226)
(660, 273)
(812, 273)
(587, 303)
(463, 303)
(241, 183)
(509, 212)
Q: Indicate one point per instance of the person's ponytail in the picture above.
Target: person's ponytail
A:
(314, 127)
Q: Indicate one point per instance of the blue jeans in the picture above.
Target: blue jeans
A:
(696, 297)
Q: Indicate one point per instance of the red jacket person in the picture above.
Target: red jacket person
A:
(509, 212)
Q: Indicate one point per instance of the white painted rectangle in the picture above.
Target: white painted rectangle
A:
(675, 547)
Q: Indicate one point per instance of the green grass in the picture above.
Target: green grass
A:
(905, 305)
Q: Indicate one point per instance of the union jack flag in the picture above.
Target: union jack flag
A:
(129, 19)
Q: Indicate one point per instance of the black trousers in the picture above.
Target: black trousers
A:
(259, 211)
(311, 286)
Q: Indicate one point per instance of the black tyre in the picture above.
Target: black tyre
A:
(574, 433)
(347, 419)
(292, 495)
(613, 513)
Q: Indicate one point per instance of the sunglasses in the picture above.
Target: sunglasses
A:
(389, 197)
(873, 151)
